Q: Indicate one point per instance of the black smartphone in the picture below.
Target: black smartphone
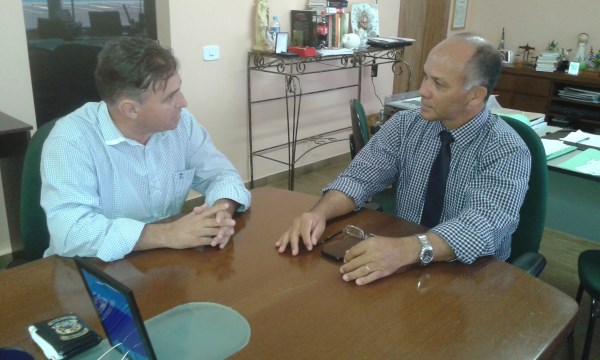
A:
(336, 249)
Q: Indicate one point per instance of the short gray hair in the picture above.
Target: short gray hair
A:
(483, 69)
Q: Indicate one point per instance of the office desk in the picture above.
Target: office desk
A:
(553, 164)
(14, 137)
(299, 307)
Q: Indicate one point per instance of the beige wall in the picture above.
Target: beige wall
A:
(15, 90)
(536, 22)
(217, 91)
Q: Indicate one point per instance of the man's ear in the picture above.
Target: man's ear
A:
(128, 107)
(477, 95)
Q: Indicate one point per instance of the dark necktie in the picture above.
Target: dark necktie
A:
(436, 188)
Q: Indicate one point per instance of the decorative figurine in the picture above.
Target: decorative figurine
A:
(261, 25)
(526, 51)
(580, 56)
(351, 41)
(563, 60)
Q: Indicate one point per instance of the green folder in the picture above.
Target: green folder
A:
(560, 152)
(580, 159)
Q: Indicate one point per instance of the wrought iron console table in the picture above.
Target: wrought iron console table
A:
(291, 69)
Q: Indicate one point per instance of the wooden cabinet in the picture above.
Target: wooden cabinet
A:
(523, 91)
(529, 90)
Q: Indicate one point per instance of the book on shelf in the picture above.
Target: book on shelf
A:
(337, 4)
(303, 28)
(549, 55)
(326, 9)
(390, 42)
(547, 61)
(580, 95)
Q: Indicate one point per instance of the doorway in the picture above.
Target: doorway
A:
(427, 22)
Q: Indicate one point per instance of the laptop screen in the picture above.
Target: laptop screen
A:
(118, 312)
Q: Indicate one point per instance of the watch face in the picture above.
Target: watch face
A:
(426, 256)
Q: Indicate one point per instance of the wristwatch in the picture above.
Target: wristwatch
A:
(426, 255)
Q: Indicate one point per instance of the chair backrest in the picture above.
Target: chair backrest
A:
(528, 235)
(360, 127)
(34, 228)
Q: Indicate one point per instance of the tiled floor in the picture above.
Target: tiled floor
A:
(561, 251)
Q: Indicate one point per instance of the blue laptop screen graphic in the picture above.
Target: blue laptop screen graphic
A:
(116, 317)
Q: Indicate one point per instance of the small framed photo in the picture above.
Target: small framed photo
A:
(506, 56)
(281, 42)
(573, 68)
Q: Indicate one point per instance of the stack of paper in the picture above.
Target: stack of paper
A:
(583, 138)
(556, 148)
(531, 118)
(547, 61)
(335, 51)
(407, 104)
(580, 95)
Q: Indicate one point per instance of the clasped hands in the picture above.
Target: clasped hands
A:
(205, 225)
(367, 261)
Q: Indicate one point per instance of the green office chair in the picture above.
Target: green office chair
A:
(588, 266)
(34, 228)
(528, 235)
(386, 200)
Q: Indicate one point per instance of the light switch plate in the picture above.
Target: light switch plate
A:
(212, 52)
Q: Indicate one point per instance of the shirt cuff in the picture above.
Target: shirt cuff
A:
(232, 190)
(123, 236)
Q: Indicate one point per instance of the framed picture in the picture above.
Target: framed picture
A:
(281, 42)
(459, 14)
(506, 56)
(365, 20)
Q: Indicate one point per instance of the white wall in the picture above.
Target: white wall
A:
(15, 93)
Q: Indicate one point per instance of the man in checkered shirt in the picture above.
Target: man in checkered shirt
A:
(486, 184)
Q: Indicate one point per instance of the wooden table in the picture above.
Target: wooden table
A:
(14, 137)
(299, 307)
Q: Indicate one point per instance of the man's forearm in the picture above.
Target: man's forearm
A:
(153, 236)
(333, 204)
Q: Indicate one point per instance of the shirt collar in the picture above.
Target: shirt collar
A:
(110, 133)
(470, 130)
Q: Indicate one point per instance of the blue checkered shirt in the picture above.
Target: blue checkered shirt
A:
(99, 188)
(489, 171)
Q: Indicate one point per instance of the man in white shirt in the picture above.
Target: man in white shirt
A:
(110, 169)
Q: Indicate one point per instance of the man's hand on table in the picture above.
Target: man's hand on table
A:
(308, 226)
